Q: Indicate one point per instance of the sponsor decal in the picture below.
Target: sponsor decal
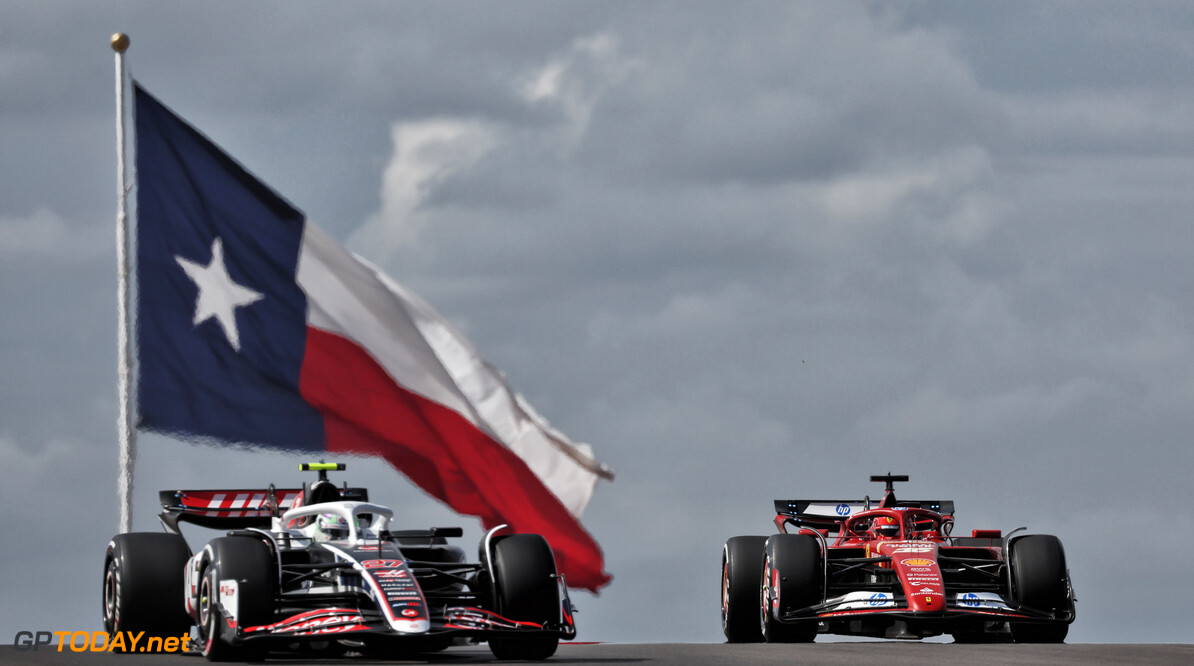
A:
(99, 641)
(929, 590)
(227, 590)
(410, 612)
(843, 509)
(391, 573)
(467, 617)
(986, 600)
(862, 601)
(381, 564)
(913, 548)
(320, 623)
(918, 562)
(920, 569)
(334, 630)
(312, 622)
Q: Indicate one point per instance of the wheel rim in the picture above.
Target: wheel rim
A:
(207, 614)
(112, 598)
(204, 602)
(768, 596)
(765, 595)
(725, 592)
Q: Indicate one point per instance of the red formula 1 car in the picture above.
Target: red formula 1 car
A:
(892, 571)
(318, 571)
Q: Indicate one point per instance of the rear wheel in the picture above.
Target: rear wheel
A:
(524, 573)
(224, 608)
(791, 580)
(741, 571)
(1039, 581)
(143, 584)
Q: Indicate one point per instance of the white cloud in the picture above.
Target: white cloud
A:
(426, 153)
(430, 154)
(575, 81)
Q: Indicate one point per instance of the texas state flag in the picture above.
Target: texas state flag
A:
(254, 327)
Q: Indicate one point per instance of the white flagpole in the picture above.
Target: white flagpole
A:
(127, 434)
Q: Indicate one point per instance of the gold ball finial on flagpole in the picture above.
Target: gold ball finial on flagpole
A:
(120, 42)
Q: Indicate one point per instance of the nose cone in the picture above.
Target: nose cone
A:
(927, 602)
(411, 626)
(920, 575)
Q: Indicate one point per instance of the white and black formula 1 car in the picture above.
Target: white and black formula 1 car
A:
(318, 570)
(892, 570)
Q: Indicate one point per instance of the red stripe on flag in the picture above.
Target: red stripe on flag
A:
(366, 412)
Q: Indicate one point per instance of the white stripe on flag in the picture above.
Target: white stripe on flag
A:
(424, 354)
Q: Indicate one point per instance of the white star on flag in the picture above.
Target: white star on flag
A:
(219, 296)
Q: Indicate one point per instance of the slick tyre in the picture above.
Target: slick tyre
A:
(791, 580)
(1041, 582)
(741, 572)
(249, 562)
(143, 585)
(524, 575)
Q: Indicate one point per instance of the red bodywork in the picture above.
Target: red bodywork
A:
(913, 581)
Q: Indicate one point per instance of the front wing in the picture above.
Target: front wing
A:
(964, 604)
(352, 620)
(867, 612)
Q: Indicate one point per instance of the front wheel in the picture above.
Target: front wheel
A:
(791, 580)
(741, 571)
(1041, 582)
(236, 591)
(143, 584)
(524, 573)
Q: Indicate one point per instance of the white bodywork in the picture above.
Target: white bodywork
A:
(365, 521)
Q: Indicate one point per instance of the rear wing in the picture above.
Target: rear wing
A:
(831, 514)
(236, 509)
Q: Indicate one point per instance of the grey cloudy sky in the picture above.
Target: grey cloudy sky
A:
(746, 250)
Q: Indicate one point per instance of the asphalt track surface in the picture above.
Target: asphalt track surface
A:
(870, 652)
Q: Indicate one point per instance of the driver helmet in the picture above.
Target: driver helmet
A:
(886, 527)
(330, 527)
